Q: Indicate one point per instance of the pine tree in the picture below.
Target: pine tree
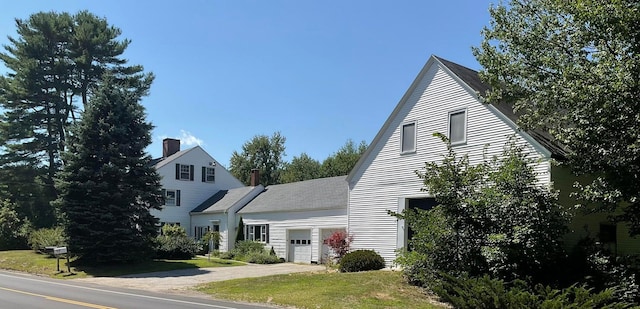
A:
(108, 186)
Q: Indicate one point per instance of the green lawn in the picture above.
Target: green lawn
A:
(374, 289)
(41, 264)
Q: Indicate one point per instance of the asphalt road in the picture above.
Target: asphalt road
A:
(26, 292)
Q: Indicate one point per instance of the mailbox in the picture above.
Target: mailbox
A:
(59, 250)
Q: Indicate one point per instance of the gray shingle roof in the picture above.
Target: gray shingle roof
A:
(222, 200)
(316, 194)
(472, 79)
(160, 162)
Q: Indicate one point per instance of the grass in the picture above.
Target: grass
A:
(41, 264)
(374, 289)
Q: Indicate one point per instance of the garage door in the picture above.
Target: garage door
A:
(300, 246)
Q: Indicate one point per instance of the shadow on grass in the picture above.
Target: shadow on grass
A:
(140, 270)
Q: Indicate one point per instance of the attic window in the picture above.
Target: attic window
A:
(184, 172)
(458, 127)
(408, 138)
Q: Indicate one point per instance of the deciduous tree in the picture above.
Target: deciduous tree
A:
(573, 69)
(342, 161)
(262, 152)
(301, 168)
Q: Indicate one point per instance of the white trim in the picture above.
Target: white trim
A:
(466, 121)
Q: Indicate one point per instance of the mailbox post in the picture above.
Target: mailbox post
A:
(57, 251)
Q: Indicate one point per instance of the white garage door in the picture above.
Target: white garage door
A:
(300, 246)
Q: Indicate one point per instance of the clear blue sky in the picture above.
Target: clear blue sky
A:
(320, 72)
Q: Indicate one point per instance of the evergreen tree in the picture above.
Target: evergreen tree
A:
(108, 186)
(240, 233)
(54, 64)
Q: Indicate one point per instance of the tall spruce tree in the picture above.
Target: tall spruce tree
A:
(54, 64)
(108, 185)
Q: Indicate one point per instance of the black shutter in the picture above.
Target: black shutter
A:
(177, 171)
(177, 197)
(267, 232)
(164, 196)
(204, 174)
(191, 172)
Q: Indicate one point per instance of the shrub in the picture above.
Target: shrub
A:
(173, 230)
(339, 242)
(262, 258)
(245, 247)
(48, 237)
(485, 292)
(361, 260)
(176, 247)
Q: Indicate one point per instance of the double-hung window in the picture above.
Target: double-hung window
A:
(171, 197)
(258, 232)
(408, 138)
(184, 172)
(458, 127)
(208, 174)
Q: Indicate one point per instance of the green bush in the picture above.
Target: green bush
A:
(49, 237)
(485, 292)
(262, 258)
(175, 247)
(361, 260)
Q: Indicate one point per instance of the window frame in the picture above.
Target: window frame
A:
(176, 197)
(206, 174)
(184, 172)
(402, 137)
(250, 232)
(464, 128)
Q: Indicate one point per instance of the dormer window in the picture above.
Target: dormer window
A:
(458, 127)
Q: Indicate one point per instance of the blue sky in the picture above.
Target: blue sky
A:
(320, 72)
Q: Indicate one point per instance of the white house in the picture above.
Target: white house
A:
(443, 98)
(295, 218)
(189, 177)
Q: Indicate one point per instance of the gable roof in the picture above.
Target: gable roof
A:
(223, 200)
(315, 194)
(470, 80)
(160, 162)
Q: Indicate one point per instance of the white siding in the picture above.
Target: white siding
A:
(281, 222)
(211, 219)
(387, 177)
(192, 193)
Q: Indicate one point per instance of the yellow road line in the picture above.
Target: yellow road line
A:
(62, 300)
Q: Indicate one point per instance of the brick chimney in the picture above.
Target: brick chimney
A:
(255, 177)
(170, 146)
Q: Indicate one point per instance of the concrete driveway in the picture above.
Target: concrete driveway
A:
(184, 279)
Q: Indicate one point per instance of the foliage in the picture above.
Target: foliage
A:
(175, 247)
(361, 260)
(572, 68)
(54, 66)
(492, 218)
(301, 168)
(262, 152)
(339, 242)
(12, 235)
(46, 237)
(485, 292)
(240, 232)
(342, 161)
(173, 230)
(108, 185)
(209, 238)
(252, 252)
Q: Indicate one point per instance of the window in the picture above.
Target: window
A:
(458, 127)
(184, 172)
(171, 197)
(208, 174)
(259, 232)
(408, 138)
(200, 231)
